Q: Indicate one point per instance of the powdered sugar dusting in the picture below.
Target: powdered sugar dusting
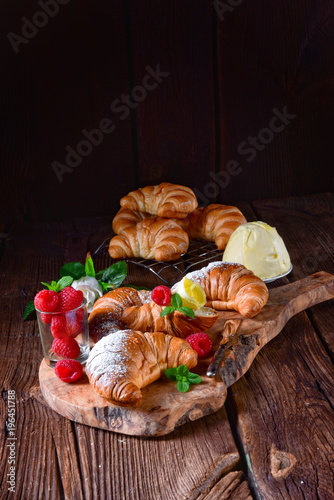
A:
(201, 273)
(110, 355)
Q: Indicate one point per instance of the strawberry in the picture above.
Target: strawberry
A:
(70, 299)
(201, 343)
(66, 348)
(68, 370)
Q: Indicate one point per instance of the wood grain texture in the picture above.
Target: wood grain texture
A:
(290, 405)
(75, 461)
(163, 408)
(307, 227)
(62, 82)
(281, 59)
(175, 124)
(291, 385)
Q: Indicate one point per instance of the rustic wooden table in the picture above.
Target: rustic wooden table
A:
(280, 414)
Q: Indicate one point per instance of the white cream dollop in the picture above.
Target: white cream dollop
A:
(260, 248)
(90, 288)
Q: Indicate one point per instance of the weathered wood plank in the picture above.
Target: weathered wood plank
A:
(230, 487)
(279, 61)
(50, 94)
(175, 123)
(307, 226)
(285, 400)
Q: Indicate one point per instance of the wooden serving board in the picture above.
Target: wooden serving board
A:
(163, 408)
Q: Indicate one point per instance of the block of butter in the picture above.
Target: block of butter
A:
(260, 248)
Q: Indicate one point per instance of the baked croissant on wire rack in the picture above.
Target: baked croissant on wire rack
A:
(128, 308)
(121, 364)
(213, 223)
(165, 199)
(126, 218)
(231, 286)
(153, 238)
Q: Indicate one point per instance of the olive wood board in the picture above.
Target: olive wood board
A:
(163, 408)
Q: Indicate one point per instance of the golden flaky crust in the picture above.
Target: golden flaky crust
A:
(126, 218)
(129, 308)
(213, 223)
(153, 238)
(166, 200)
(121, 364)
(231, 286)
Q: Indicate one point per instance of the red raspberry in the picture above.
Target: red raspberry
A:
(66, 348)
(70, 298)
(161, 295)
(74, 323)
(201, 343)
(58, 327)
(47, 301)
(68, 370)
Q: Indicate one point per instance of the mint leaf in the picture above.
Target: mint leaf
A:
(171, 374)
(182, 385)
(176, 300)
(193, 378)
(30, 308)
(64, 282)
(115, 274)
(182, 371)
(74, 269)
(106, 287)
(167, 310)
(187, 311)
(53, 286)
(89, 266)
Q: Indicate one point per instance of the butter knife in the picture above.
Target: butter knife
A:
(230, 329)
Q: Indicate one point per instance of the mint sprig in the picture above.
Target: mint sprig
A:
(29, 310)
(183, 377)
(57, 286)
(176, 302)
(108, 279)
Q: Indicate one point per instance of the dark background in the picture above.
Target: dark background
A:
(229, 63)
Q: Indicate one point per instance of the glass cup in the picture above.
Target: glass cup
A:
(64, 335)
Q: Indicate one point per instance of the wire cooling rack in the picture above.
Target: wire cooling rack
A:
(199, 252)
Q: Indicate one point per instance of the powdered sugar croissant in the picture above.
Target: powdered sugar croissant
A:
(166, 200)
(153, 238)
(213, 223)
(231, 286)
(128, 308)
(121, 364)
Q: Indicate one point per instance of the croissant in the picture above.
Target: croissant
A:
(106, 315)
(153, 238)
(121, 364)
(128, 308)
(166, 200)
(231, 286)
(213, 223)
(126, 217)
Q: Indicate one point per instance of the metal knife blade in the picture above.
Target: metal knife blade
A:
(229, 331)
